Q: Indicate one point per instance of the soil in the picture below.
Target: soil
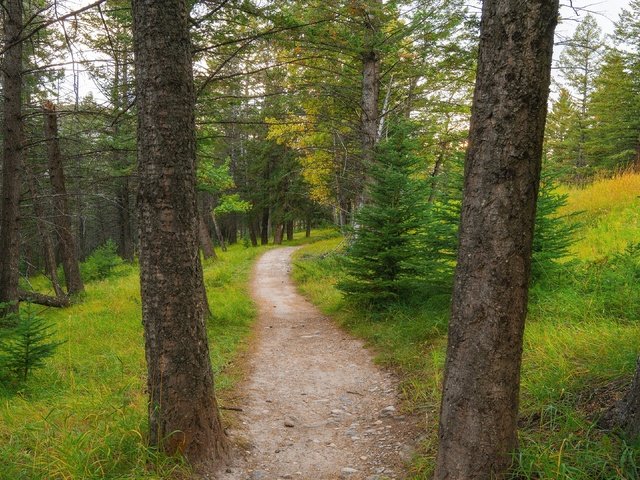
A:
(314, 405)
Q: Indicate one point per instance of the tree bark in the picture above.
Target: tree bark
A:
(12, 160)
(264, 228)
(369, 116)
(62, 219)
(50, 265)
(46, 300)
(253, 230)
(206, 245)
(183, 412)
(482, 373)
(216, 227)
(278, 233)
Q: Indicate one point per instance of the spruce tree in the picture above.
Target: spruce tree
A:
(384, 258)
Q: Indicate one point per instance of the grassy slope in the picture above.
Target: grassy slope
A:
(580, 345)
(84, 415)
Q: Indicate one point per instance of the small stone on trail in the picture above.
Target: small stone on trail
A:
(348, 471)
(388, 411)
(289, 423)
(258, 475)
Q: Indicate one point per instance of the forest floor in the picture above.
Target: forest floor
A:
(314, 405)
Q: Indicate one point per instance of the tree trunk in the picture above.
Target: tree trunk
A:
(264, 229)
(307, 229)
(62, 218)
(46, 300)
(12, 132)
(278, 233)
(369, 116)
(253, 230)
(216, 227)
(183, 412)
(289, 230)
(50, 265)
(206, 245)
(482, 373)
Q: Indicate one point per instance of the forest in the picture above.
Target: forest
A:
(362, 239)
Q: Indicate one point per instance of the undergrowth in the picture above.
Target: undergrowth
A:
(83, 416)
(581, 342)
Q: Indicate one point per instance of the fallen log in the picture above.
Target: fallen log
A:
(41, 299)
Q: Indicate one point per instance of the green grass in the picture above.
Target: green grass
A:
(581, 343)
(84, 415)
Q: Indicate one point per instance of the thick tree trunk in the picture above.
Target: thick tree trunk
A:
(12, 132)
(183, 413)
(62, 219)
(482, 372)
(48, 250)
(278, 233)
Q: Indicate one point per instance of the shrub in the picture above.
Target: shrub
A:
(26, 345)
(101, 262)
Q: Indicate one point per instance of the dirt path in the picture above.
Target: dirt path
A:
(315, 407)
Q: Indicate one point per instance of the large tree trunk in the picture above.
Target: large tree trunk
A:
(62, 219)
(183, 413)
(12, 131)
(206, 244)
(290, 228)
(482, 372)
(48, 250)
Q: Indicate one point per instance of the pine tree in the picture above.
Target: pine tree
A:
(27, 345)
(384, 260)
(561, 134)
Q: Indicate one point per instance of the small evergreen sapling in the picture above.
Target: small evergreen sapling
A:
(384, 261)
(27, 345)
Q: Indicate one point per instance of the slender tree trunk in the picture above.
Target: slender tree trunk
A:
(289, 230)
(264, 229)
(12, 160)
(370, 116)
(48, 250)
(206, 245)
(216, 227)
(62, 219)
(482, 373)
(253, 230)
(183, 413)
(307, 227)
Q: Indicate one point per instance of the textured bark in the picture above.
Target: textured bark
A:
(62, 219)
(278, 233)
(50, 265)
(216, 227)
(482, 372)
(46, 300)
(12, 132)
(370, 115)
(206, 245)
(253, 230)
(183, 413)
